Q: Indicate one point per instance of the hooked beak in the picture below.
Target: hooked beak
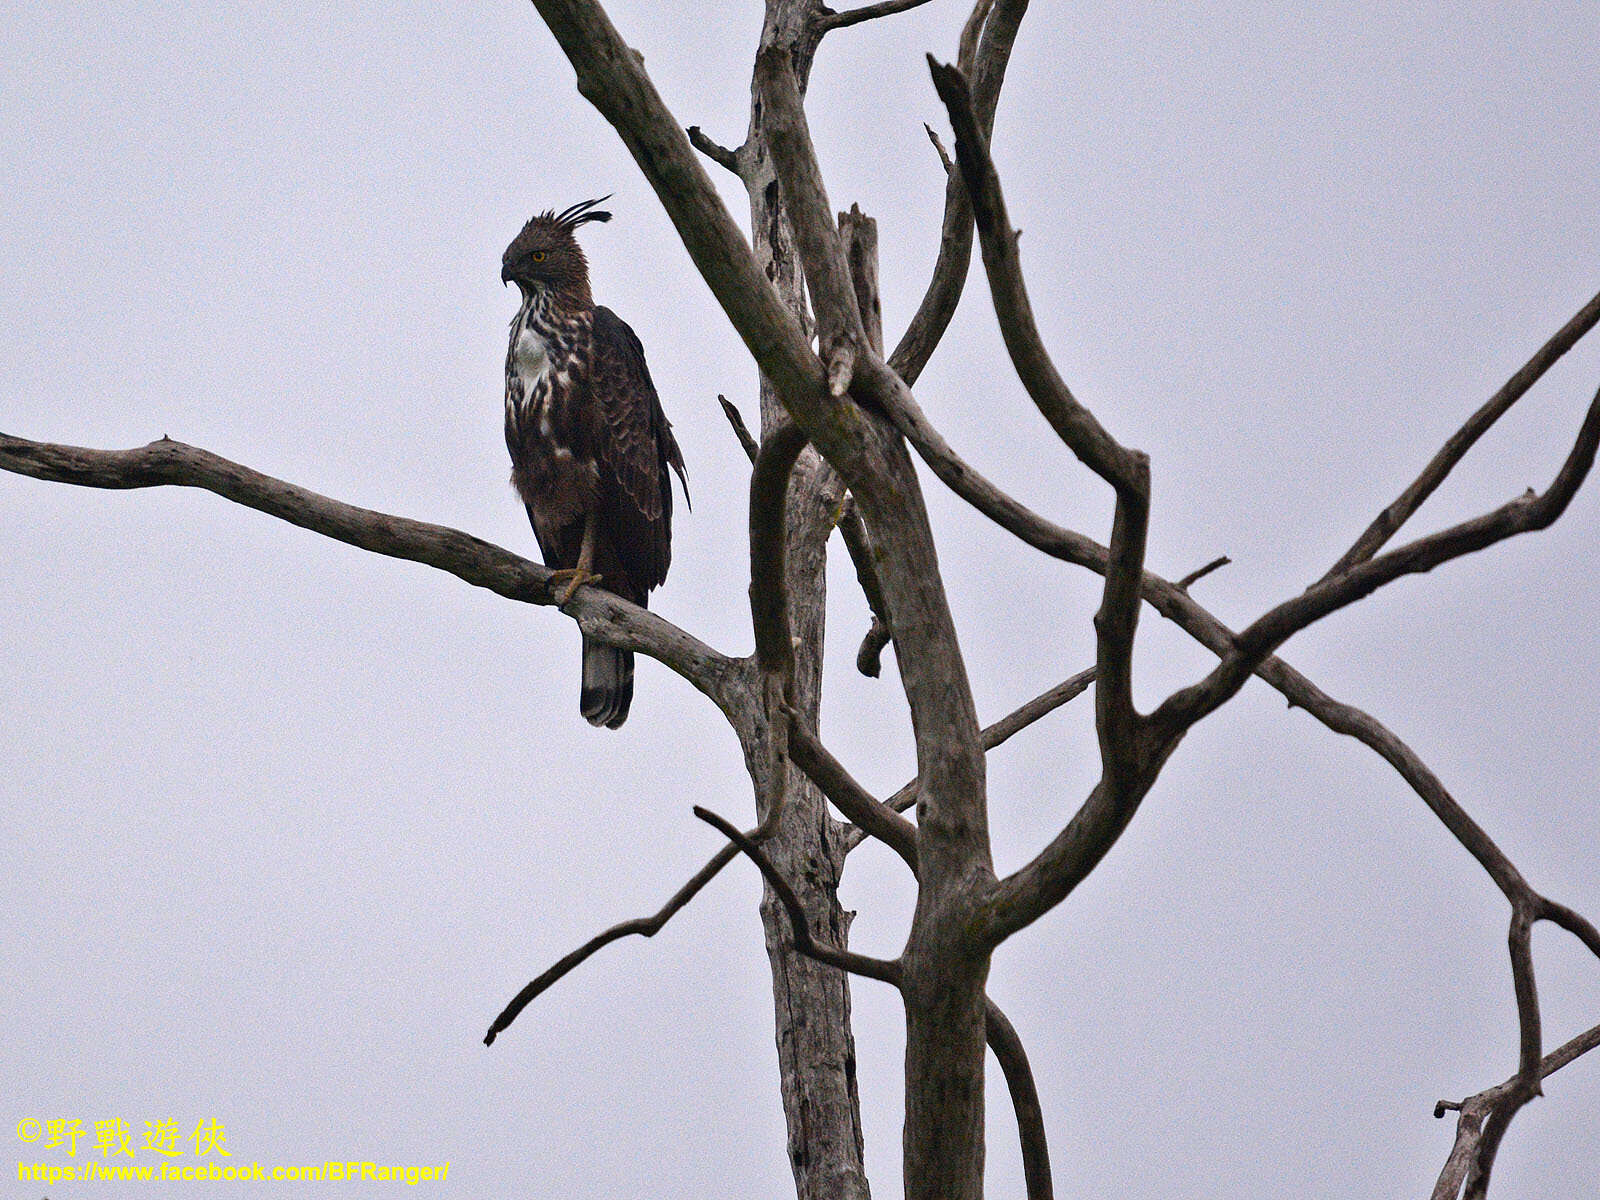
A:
(505, 273)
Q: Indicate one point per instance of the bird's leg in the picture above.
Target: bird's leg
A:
(579, 575)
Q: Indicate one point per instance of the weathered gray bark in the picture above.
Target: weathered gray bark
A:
(858, 412)
(816, 1047)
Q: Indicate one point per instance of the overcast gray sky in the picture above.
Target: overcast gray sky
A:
(287, 824)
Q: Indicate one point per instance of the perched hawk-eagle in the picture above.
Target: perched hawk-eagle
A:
(590, 446)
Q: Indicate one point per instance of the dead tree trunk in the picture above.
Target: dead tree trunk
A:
(837, 415)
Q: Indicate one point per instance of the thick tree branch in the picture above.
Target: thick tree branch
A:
(973, 487)
(598, 613)
(611, 78)
(878, 820)
(1028, 893)
(1389, 521)
(870, 814)
(1573, 923)
(860, 234)
(856, 541)
(841, 334)
(867, 812)
(769, 595)
(931, 669)
(1524, 1085)
(1119, 728)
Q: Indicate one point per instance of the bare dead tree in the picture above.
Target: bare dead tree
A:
(839, 422)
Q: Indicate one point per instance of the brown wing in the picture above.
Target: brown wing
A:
(636, 453)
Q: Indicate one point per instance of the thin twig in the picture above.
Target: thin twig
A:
(642, 926)
(994, 735)
(827, 20)
(717, 153)
(741, 431)
(1199, 573)
(845, 960)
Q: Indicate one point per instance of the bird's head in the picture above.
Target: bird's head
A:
(546, 255)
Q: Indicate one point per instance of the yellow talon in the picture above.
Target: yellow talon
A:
(576, 577)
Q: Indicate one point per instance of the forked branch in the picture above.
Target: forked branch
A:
(1388, 522)
(1526, 514)
(1463, 1165)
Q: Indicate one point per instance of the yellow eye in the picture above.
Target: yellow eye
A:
(537, 256)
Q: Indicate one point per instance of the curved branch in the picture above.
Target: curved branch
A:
(1388, 522)
(869, 813)
(985, 51)
(482, 564)
(1004, 1040)
(643, 926)
(845, 960)
(869, 655)
(1526, 514)
(1073, 423)
(769, 596)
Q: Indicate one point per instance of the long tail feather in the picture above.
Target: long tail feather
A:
(607, 684)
